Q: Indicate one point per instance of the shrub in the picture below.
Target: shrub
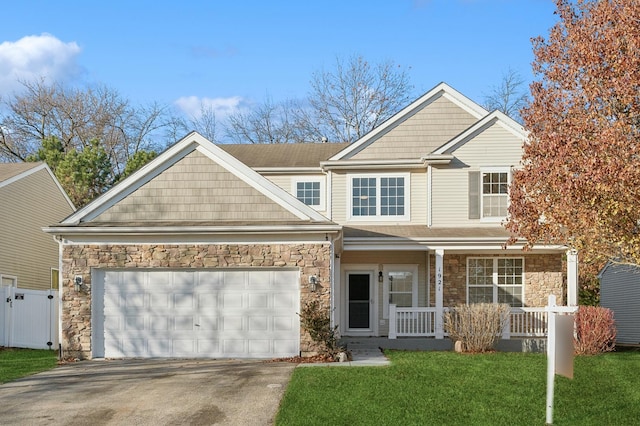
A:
(477, 326)
(317, 322)
(595, 330)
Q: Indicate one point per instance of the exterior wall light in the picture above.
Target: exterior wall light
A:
(313, 283)
(77, 283)
(380, 278)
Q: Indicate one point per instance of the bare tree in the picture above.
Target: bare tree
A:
(77, 118)
(268, 122)
(204, 122)
(509, 97)
(357, 96)
(342, 105)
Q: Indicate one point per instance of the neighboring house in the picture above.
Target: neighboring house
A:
(31, 198)
(620, 292)
(210, 250)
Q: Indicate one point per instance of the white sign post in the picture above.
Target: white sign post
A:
(559, 347)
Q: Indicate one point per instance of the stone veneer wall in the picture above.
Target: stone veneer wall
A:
(543, 276)
(312, 259)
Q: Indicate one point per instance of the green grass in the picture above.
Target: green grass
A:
(447, 388)
(16, 363)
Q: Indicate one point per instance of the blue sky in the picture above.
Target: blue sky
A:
(233, 53)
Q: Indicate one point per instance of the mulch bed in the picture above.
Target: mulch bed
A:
(305, 359)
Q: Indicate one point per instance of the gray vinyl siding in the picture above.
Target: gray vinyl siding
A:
(495, 147)
(195, 189)
(620, 292)
(26, 252)
(421, 133)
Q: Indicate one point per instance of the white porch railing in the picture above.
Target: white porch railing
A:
(421, 322)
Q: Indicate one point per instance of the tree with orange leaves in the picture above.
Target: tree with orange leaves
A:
(579, 183)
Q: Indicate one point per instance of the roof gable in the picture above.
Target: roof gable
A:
(495, 118)
(417, 129)
(10, 172)
(195, 181)
(14, 172)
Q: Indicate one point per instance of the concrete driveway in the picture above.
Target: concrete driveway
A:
(148, 392)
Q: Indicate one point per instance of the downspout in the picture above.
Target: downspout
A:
(335, 274)
(429, 195)
(58, 240)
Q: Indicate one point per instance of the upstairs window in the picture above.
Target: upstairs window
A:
(495, 193)
(489, 194)
(379, 197)
(310, 192)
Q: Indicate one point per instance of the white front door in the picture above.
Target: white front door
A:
(360, 300)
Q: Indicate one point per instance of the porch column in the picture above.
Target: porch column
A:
(572, 277)
(439, 293)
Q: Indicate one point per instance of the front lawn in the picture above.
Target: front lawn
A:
(447, 388)
(16, 363)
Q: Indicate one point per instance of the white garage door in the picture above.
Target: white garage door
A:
(195, 313)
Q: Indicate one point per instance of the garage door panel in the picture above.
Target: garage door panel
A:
(234, 346)
(207, 300)
(285, 346)
(208, 323)
(233, 279)
(283, 323)
(258, 323)
(159, 347)
(201, 313)
(259, 300)
(231, 323)
(159, 323)
(232, 301)
(285, 301)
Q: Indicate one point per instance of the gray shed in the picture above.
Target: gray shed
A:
(620, 292)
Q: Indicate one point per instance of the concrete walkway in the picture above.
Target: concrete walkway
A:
(365, 355)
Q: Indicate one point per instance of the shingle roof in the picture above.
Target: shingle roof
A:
(283, 155)
(421, 232)
(9, 170)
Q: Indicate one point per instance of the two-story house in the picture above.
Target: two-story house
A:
(210, 250)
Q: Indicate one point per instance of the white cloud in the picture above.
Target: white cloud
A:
(35, 57)
(193, 106)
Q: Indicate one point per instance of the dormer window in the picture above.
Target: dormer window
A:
(379, 197)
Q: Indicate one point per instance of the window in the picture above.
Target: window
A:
(495, 194)
(401, 289)
(310, 192)
(496, 280)
(379, 197)
(400, 286)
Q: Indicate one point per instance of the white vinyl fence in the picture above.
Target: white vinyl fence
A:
(28, 318)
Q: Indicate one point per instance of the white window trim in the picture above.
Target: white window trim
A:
(377, 218)
(484, 170)
(385, 292)
(494, 277)
(321, 180)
